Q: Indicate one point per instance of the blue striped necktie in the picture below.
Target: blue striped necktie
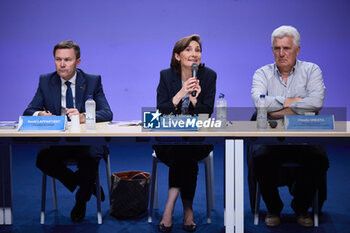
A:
(69, 96)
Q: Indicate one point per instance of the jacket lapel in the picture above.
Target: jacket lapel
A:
(176, 82)
(80, 87)
(55, 86)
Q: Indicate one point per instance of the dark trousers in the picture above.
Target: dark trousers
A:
(312, 163)
(182, 161)
(53, 161)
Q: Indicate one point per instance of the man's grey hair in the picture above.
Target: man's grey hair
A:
(283, 31)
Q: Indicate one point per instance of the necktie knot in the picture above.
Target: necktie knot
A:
(68, 84)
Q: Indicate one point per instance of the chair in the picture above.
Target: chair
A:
(315, 206)
(209, 182)
(98, 190)
(286, 177)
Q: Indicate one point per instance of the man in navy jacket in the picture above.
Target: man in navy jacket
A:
(64, 92)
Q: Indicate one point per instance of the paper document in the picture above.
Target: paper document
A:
(8, 124)
(126, 123)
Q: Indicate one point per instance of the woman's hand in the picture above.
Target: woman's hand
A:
(198, 89)
(190, 85)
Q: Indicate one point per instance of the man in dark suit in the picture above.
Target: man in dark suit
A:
(64, 92)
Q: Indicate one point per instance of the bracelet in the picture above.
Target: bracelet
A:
(175, 105)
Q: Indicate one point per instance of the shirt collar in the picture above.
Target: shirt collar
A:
(293, 69)
(72, 80)
(296, 65)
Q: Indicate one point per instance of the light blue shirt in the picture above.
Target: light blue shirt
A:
(304, 81)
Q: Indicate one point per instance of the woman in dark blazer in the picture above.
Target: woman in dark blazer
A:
(175, 96)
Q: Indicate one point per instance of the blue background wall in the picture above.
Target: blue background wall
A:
(129, 42)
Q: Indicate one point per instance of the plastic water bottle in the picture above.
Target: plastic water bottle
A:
(221, 109)
(90, 108)
(261, 118)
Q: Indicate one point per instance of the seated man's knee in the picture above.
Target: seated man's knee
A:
(43, 158)
(88, 163)
(96, 152)
(262, 161)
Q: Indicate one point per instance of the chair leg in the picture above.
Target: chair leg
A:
(257, 204)
(54, 193)
(315, 209)
(156, 189)
(211, 160)
(109, 175)
(43, 199)
(208, 187)
(153, 185)
(98, 197)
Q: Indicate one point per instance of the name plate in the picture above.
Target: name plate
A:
(316, 122)
(39, 123)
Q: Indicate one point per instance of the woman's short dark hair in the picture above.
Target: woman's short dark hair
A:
(180, 46)
(68, 44)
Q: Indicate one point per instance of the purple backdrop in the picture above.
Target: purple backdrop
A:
(129, 42)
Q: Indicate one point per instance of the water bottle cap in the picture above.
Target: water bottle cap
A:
(89, 96)
(262, 96)
(221, 96)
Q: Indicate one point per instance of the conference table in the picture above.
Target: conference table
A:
(234, 137)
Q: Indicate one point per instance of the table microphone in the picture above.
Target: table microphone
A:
(194, 68)
(272, 123)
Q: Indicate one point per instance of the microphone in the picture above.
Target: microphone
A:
(194, 68)
(272, 123)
